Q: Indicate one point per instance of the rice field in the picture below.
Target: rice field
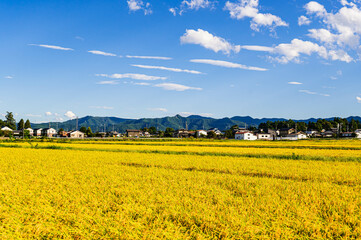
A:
(180, 190)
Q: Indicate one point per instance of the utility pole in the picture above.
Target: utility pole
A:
(76, 129)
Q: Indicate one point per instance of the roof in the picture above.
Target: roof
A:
(132, 130)
(243, 132)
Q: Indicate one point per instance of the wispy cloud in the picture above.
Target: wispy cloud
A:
(150, 57)
(295, 83)
(314, 93)
(208, 41)
(227, 64)
(191, 5)
(52, 47)
(102, 107)
(33, 115)
(9, 77)
(141, 83)
(187, 114)
(133, 76)
(79, 38)
(257, 48)
(48, 114)
(158, 109)
(358, 99)
(96, 52)
(176, 87)
(111, 82)
(167, 69)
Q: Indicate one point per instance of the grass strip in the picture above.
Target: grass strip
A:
(237, 155)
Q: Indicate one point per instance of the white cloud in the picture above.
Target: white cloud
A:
(52, 47)
(48, 114)
(249, 9)
(96, 52)
(167, 69)
(340, 55)
(173, 11)
(358, 99)
(133, 76)
(343, 28)
(9, 77)
(176, 87)
(102, 107)
(141, 84)
(257, 48)
(135, 5)
(292, 51)
(303, 20)
(111, 82)
(59, 119)
(191, 5)
(315, 8)
(295, 83)
(150, 57)
(70, 115)
(314, 93)
(158, 109)
(227, 64)
(209, 41)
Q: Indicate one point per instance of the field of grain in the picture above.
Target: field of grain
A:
(180, 190)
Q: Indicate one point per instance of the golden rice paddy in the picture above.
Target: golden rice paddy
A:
(180, 190)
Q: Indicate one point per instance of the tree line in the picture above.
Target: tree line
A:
(321, 124)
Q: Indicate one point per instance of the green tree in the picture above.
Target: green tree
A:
(211, 134)
(21, 124)
(2, 123)
(169, 132)
(152, 130)
(26, 134)
(89, 132)
(229, 134)
(27, 124)
(10, 120)
(60, 131)
(83, 129)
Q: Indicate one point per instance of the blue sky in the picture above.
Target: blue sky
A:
(151, 58)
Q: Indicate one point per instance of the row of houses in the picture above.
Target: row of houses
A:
(44, 132)
(292, 134)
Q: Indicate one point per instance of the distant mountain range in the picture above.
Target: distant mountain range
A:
(194, 122)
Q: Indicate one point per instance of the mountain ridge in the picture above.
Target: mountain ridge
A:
(195, 122)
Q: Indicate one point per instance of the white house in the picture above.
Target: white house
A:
(76, 134)
(246, 135)
(48, 132)
(6, 129)
(201, 133)
(311, 132)
(294, 137)
(37, 132)
(264, 136)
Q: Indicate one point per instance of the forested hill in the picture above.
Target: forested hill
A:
(175, 122)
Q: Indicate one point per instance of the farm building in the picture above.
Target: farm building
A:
(133, 133)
